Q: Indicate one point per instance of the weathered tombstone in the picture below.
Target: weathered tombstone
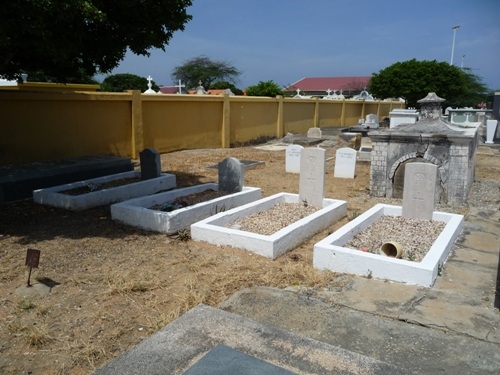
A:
(491, 129)
(345, 163)
(230, 175)
(150, 164)
(314, 133)
(372, 118)
(292, 160)
(419, 189)
(312, 176)
(288, 138)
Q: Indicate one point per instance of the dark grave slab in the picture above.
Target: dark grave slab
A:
(18, 181)
(223, 360)
(247, 164)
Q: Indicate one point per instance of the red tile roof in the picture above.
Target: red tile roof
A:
(332, 83)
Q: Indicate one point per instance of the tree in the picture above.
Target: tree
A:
(79, 77)
(126, 81)
(413, 80)
(222, 85)
(207, 71)
(67, 38)
(268, 88)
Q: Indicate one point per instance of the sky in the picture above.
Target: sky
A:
(286, 40)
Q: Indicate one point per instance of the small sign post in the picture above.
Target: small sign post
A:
(32, 260)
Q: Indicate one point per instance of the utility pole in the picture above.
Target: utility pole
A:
(454, 28)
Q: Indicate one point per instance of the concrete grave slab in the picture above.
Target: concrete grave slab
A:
(138, 212)
(179, 346)
(330, 254)
(55, 196)
(18, 182)
(218, 229)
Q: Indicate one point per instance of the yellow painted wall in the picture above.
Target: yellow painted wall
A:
(37, 127)
(252, 118)
(176, 122)
(298, 115)
(329, 115)
(50, 125)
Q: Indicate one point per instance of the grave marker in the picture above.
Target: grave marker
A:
(292, 161)
(314, 133)
(32, 261)
(345, 163)
(150, 164)
(419, 189)
(491, 129)
(312, 176)
(231, 175)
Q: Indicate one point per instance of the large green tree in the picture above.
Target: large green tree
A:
(264, 88)
(65, 38)
(203, 69)
(126, 81)
(413, 79)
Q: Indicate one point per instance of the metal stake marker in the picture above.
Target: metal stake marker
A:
(32, 260)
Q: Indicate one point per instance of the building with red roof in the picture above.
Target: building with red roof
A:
(318, 86)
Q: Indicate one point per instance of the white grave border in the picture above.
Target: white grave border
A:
(217, 229)
(329, 253)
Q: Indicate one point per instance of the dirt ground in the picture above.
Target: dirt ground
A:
(114, 285)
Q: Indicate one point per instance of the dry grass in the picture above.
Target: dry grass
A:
(117, 284)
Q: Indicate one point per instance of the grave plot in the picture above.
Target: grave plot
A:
(418, 204)
(164, 213)
(330, 253)
(101, 191)
(176, 210)
(225, 228)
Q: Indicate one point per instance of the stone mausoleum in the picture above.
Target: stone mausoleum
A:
(430, 140)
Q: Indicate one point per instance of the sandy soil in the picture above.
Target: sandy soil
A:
(113, 285)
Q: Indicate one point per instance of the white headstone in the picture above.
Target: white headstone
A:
(491, 129)
(314, 133)
(372, 118)
(312, 176)
(292, 161)
(419, 190)
(345, 163)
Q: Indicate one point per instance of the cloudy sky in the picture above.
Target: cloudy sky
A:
(286, 40)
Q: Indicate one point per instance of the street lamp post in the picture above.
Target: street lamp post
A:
(454, 28)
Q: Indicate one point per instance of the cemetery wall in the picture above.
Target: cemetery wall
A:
(178, 122)
(38, 126)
